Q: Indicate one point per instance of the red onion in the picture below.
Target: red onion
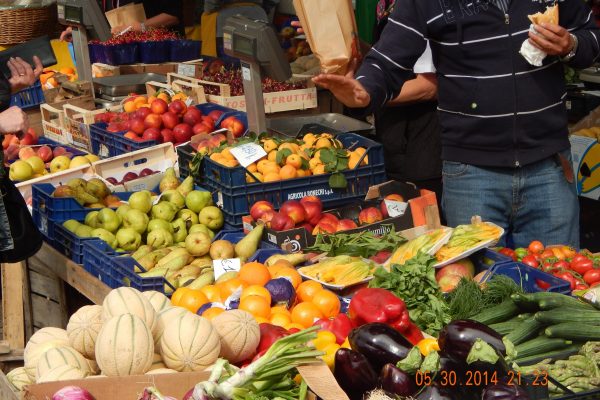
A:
(188, 395)
(72, 393)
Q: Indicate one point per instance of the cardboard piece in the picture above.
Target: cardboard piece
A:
(77, 121)
(126, 15)
(586, 157)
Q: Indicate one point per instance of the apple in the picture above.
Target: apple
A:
(221, 249)
(201, 128)
(20, 171)
(159, 106)
(112, 180)
(294, 210)
(208, 121)
(58, 151)
(26, 152)
(152, 134)
(369, 215)
(449, 282)
(345, 225)
(28, 139)
(392, 197)
(79, 161)
(37, 164)
(129, 177)
(60, 163)
(212, 217)
(169, 120)
(142, 112)
(136, 125)
(141, 201)
(182, 133)
(309, 228)
(146, 172)
(330, 217)
(192, 116)
(167, 135)
(178, 107)
(462, 267)
(215, 115)
(45, 153)
(313, 211)
(325, 226)
(259, 208)
(267, 216)
(198, 244)
(153, 121)
(282, 222)
(234, 125)
(196, 200)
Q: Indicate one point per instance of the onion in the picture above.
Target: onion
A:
(188, 395)
(72, 393)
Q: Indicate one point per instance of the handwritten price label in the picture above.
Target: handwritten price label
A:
(227, 265)
(248, 153)
(395, 208)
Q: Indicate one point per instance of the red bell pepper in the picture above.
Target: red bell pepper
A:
(340, 326)
(269, 334)
(379, 305)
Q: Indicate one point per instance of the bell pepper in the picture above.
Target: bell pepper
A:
(269, 334)
(326, 342)
(428, 345)
(340, 326)
(379, 305)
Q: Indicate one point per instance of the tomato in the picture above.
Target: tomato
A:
(542, 284)
(561, 265)
(547, 254)
(581, 264)
(592, 276)
(548, 267)
(536, 247)
(581, 286)
(566, 276)
(521, 253)
(509, 253)
(531, 261)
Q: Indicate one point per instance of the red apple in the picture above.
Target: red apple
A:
(59, 151)
(169, 120)
(267, 217)
(192, 116)
(392, 197)
(153, 121)
(130, 176)
(28, 140)
(182, 133)
(313, 210)
(259, 208)
(152, 134)
(201, 128)
(234, 125)
(45, 153)
(167, 135)
(282, 222)
(215, 114)
(142, 112)
(178, 107)
(294, 210)
(159, 106)
(137, 125)
(131, 135)
(330, 217)
(309, 228)
(345, 225)
(369, 215)
(208, 121)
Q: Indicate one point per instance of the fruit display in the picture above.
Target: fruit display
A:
(51, 79)
(30, 138)
(150, 35)
(92, 193)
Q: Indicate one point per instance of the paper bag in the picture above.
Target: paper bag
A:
(126, 15)
(331, 31)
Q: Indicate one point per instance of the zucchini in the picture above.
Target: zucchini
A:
(498, 313)
(564, 301)
(554, 354)
(525, 331)
(504, 328)
(524, 302)
(579, 331)
(540, 345)
(524, 317)
(572, 315)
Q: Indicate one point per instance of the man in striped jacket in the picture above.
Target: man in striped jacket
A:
(504, 123)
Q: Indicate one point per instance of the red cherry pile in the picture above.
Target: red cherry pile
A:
(151, 35)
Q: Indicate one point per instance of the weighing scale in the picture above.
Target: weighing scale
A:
(88, 22)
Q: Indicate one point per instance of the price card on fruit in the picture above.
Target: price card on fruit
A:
(395, 208)
(248, 153)
(226, 265)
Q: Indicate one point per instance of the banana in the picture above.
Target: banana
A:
(142, 251)
(177, 255)
(185, 280)
(150, 260)
(207, 278)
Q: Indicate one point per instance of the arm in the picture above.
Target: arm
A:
(422, 88)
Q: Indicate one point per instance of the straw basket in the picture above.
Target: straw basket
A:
(18, 25)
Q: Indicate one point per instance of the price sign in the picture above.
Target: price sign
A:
(248, 153)
(395, 208)
(186, 69)
(227, 265)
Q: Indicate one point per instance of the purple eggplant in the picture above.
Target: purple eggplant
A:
(504, 391)
(436, 391)
(458, 337)
(396, 382)
(353, 373)
(380, 344)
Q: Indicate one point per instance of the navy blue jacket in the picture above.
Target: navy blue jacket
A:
(495, 109)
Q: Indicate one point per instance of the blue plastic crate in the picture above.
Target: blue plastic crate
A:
(529, 278)
(155, 52)
(185, 155)
(487, 259)
(69, 244)
(28, 98)
(185, 50)
(109, 144)
(263, 255)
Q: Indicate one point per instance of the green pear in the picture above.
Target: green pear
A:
(186, 186)
(155, 224)
(122, 210)
(173, 197)
(188, 216)
(198, 244)
(83, 197)
(164, 210)
(75, 183)
(97, 188)
(201, 228)
(109, 220)
(91, 219)
(141, 201)
(128, 239)
(105, 235)
(159, 238)
(179, 230)
(169, 181)
(196, 200)
(136, 220)
(246, 247)
(212, 217)
(84, 231)
(71, 225)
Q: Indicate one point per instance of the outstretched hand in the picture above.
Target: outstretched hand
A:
(346, 89)
(22, 75)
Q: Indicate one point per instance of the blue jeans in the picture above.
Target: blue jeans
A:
(534, 202)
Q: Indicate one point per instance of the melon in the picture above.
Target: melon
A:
(18, 378)
(62, 373)
(124, 346)
(239, 333)
(161, 371)
(166, 317)
(63, 355)
(93, 366)
(40, 342)
(83, 328)
(157, 362)
(158, 300)
(189, 344)
(96, 376)
(126, 300)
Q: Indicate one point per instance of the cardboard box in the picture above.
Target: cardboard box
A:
(318, 377)
(77, 123)
(422, 210)
(585, 151)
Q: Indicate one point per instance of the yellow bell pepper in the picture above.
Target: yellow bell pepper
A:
(329, 356)
(428, 345)
(346, 344)
(326, 342)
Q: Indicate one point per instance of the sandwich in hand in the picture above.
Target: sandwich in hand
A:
(550, 16)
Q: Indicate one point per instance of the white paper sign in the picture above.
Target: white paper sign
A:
(248, 153)
(187, 70)
(227, 265)
(395, 208)
(246, 73)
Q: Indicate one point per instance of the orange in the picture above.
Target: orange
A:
(52, 82)
(288, 172)
(272, 156)
(271, 166)
(319, 170)
(252, 168)
(294, 160)
(327, 302)
(163, 96)
(226, 153)
(261, 320)
(290, 273)
(191, 299)
(257, 175)
(309, 139)
(216, 157)
(254, 273)
(230, 163)
(280, 320)
(306, 314)
(260, 166)
(256, 305)
(307, 289)
(271, 177)
(141, 105)
(314, 162)
(323, 143)
(278, 265)
(256, 290)
(280, 310)
(300, 173)
(129, 106)
(294, 325)
(212, 312)
(212, 293)
(269, 145)
(293, 147)
(353, 160)
(140, 100)
(229, 286)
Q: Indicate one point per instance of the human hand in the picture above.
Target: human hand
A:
(22, 74)
(346, 89)
(552, 39)
(13, 120)
(67, 34)
(298, 26)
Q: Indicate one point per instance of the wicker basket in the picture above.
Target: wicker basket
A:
(19, 25)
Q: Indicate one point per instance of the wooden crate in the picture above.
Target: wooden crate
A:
(7, 392)
(48, 301)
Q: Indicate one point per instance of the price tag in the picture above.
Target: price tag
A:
(187, 70)
(395, 208)
(103, 152)
(246, 73)
(227, 265)
(248, 153)
(189, 101)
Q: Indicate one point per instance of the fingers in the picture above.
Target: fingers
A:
(545, 45)
(38, 67)
(296, 24)
(556, 29)
(21, 66)
(352, 67)
(550, 38)
(13, 69)
(66, 35)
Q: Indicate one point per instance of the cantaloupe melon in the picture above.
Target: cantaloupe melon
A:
(124, 346)
(96, 376)
(239, 334)
(93, 365)
(157, 362)
(126, 300)
(189, 344)
(63, 355)
(40, 342)
(83, 328)
(160, 371)
(158, 300)
(166, 317)
(19, 379)
(62, 373)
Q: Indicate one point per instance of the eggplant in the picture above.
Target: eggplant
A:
(504, 391)
(354, 373)
(380, 344)
(394, 381)
(458, 337)
(435, 391)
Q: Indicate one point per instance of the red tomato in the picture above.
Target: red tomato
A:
(592, 276)
(581, 286)
(548, 267)
(531, 261)
(562, 264)
(536, 247)
(566, 276)
(542, 284)
(581, 264)
(509, 253)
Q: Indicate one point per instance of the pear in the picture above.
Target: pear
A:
(109, 220)
(122, 210)
(174, 197)
(84, 231)
(63, 191)
(105, 235)
(83, 197)
(188, 216)
(246, 247)
(186, 186)
(180, 230)
(76, 183)
(169, 181)
(136, 220)
(71, 225)
(91, 219)
(96, 187)
(164, 210)
(159, 224)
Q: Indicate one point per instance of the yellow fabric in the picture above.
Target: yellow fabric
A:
(193, 32)
(208, 27)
